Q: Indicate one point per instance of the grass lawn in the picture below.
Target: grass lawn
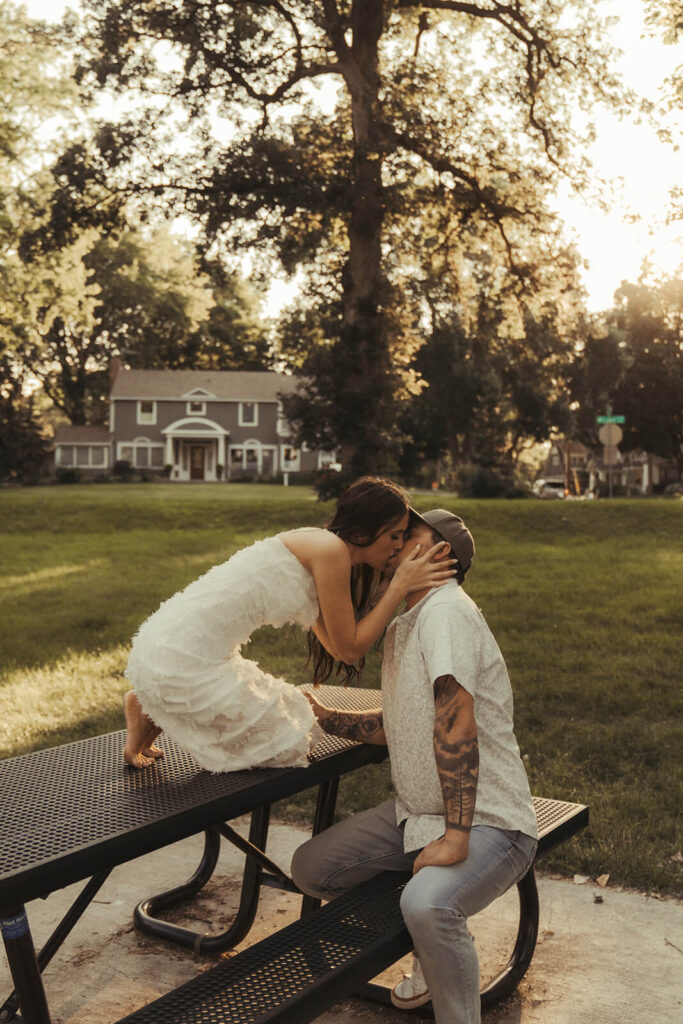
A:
(583, 598)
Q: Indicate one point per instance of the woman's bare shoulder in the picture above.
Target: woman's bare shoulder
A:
(311, 545)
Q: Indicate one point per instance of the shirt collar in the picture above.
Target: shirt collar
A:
(408, 617)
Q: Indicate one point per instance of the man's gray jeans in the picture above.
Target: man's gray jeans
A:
(435, 903)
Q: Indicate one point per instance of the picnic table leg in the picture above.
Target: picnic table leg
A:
(324, 816)
(9, 1008)
(507, 981)
(23, 964)
(253, 878)
(144, 914)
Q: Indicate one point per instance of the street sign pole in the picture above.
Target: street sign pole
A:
(610, 434)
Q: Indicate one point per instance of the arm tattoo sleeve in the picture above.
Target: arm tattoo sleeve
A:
(457, 752)
(362, 726)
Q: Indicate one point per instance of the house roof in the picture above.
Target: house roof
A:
(577, 448)
(82, 435)
(231, 385)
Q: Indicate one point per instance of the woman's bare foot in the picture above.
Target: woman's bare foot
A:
(139, 751)
(151, 749)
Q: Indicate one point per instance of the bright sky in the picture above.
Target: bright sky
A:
(642, 170)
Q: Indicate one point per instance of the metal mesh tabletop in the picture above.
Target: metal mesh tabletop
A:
(72, 810)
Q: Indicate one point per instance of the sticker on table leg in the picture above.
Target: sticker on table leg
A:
(14, 927)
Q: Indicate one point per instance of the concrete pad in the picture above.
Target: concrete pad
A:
(619, 961)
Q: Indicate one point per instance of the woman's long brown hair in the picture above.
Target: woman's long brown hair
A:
(367, 508)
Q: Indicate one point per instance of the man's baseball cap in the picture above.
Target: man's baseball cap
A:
(452, 529)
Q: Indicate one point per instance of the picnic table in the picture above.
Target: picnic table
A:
(74, 812)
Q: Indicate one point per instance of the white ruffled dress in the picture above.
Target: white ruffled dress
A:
(190, 678)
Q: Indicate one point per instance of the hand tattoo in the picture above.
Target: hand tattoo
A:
(456, 749)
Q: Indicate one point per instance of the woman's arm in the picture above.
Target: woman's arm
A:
(324, 638)
(348, 640)
(321, 632)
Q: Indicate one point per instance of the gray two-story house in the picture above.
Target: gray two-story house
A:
(192, 425)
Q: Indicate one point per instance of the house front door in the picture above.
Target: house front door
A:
(196, 462)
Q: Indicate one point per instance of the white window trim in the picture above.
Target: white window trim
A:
(282, 428)
(197, 394)
(326, 458)
(140, 442)
(194, 412)
(240, 415)
(290, 465)
(82, 465)
(235, 448)
(58, 455)
(139, 417)
(251, 445)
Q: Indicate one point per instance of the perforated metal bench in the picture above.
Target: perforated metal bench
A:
(299, 972)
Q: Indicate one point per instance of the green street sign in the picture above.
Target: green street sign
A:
(611, 419)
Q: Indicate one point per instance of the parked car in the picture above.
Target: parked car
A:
(549, 489)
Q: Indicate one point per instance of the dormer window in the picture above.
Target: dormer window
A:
(147, 412)
(248, 414)
(196, 408)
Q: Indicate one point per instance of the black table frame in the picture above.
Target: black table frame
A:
(153, 808)
(558, 822)
(194, 801)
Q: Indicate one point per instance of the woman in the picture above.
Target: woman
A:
(185, 666)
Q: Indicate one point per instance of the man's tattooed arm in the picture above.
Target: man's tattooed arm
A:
(362, 726)
(457, 752)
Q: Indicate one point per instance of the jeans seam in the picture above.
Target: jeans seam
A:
(527, 868)
(339, 870)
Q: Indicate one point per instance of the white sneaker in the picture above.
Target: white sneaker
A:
(412, 991)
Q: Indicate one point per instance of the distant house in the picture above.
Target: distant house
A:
(555, 467)
(192, 425)
(635, 471)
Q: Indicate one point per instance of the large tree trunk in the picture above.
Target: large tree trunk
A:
(364, 363)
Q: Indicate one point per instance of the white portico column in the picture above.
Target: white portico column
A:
(168, 457)
(221, 454)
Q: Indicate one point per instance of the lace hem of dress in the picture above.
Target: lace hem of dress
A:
(222, 745)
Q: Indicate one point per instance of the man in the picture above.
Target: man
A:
(462, 818)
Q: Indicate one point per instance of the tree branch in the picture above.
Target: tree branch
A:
(507, 15)
(335, 30)
(422, 26)
(497, 211)
(312, 71)
(289, 18)
(513, 19)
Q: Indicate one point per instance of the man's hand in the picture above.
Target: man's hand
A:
(449, 849)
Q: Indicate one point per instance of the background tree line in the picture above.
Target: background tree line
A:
(439, 315)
